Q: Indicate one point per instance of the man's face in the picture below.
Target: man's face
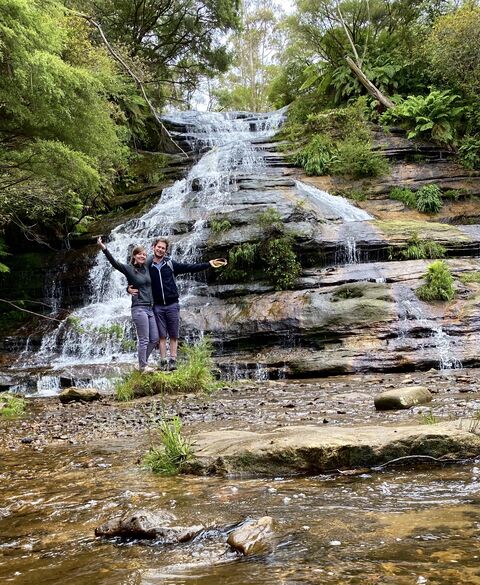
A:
(159, 250)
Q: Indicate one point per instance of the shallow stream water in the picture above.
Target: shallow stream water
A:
(397, 526)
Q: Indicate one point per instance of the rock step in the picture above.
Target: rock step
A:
(312, 450)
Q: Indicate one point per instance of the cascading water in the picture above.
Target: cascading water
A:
(336, 208)
(437, 341)
(101, 331)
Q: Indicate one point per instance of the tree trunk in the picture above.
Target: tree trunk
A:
(372, 89)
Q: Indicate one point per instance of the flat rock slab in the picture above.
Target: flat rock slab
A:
(310, 449)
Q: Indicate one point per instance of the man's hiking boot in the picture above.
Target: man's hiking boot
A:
(172, 364)
(163, 364)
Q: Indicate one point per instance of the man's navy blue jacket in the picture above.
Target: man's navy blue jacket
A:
(164, 287)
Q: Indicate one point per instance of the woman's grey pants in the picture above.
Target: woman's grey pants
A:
(147, 333)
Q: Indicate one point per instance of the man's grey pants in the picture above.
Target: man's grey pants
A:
(147, 333)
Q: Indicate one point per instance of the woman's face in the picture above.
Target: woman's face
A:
(140, 257)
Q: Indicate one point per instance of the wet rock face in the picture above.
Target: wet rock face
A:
(254, 537)
(402, 398)
(145, 524)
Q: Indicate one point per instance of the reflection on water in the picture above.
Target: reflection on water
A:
(399, 526)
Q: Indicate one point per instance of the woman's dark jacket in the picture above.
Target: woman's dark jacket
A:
(164, 287)
(139, 277)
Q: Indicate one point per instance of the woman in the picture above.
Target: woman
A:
(138, 275)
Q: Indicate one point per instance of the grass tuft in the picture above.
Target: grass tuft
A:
(11, 406)
(195, 374)
(173, 452)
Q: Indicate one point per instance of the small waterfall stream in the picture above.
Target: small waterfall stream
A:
(101, 331)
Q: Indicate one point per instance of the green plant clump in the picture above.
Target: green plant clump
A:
(429, 199)
(281, 264)
(469, 152)
(175, 449)
(438, 283)
(418, 249)
(220, 225)
(470, 277)
(11, 406)
(350, 157)
(428, 418)
(195, 374)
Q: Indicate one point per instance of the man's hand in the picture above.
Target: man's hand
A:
(131, 290)
(218, 262)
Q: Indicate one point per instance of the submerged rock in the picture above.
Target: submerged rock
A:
(75, 394)
(148, 525)
(255, 537)
(400, 398)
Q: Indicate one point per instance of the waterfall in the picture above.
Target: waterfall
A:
(440, 343)
(333, 207)
(102, 331)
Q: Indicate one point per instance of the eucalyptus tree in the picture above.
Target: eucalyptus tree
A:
(256, 47)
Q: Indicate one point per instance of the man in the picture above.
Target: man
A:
(163, 271)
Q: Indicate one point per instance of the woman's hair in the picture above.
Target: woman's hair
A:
(164, 240)
(136, 251)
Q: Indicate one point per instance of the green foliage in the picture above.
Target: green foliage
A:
(271, 220)
(438, 283)
(11, 405)
(273, 255)
(421, 249)
(347, 292)
(241, 262)
(317, 157)
(428, 418)
(220, 225)
(3, 252)
(174, 452)
(194, 374)
(60, 142)
(434, 116)
(470, 277)
(453, 49)
(280, 262)
(428, 199)
(469, 152)
(354, 158)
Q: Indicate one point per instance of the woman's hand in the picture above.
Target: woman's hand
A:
(100, 243)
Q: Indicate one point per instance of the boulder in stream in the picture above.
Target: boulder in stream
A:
(75, 394)
(148, 525)
(254, 537)
(401, 398)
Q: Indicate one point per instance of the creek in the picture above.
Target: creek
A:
(390, 527)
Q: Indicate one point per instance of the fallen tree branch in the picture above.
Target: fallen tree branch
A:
(137, 80)
(31, 312)
(368, 85)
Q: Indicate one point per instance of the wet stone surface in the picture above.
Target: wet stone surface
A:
(245, 405)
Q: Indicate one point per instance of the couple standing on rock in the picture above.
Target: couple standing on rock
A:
(155, 308)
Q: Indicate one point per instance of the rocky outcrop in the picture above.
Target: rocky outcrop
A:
(145, 524)
(311, 450)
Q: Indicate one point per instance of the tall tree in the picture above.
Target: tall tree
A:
(173, 43)
(255, 47)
